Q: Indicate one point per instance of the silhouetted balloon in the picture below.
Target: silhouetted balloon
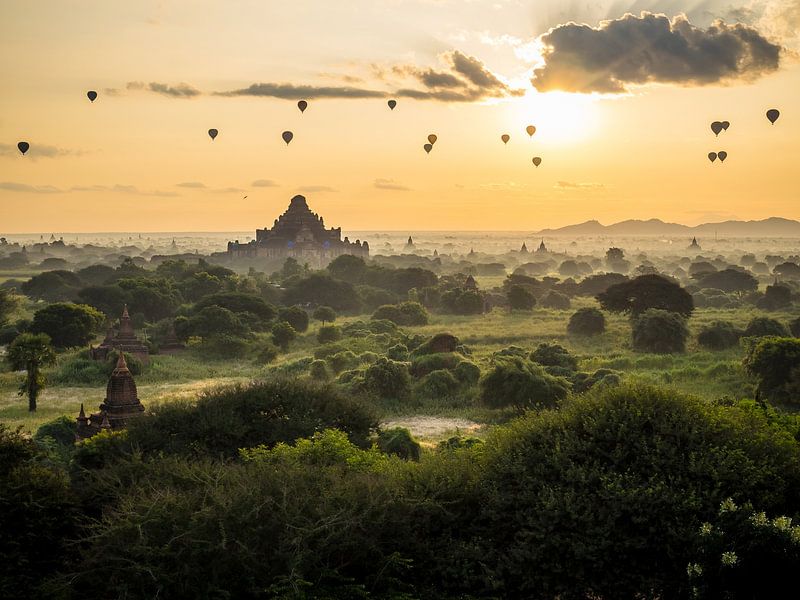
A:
(432, 139)
(302, 105)
(92, 95)
(531, 130)
(505, 137)
(23, 147)
(213, 133)
(392, 104)
(716, 127)
(725, 125)
(287, 136)
(536, 161)
(722, 155)
(428, 148)
(712, 156)
(773, 114)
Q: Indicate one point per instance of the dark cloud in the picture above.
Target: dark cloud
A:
(264, 183)
(181, 90)
(651, 48)
(288, 91)
(191, 184)
(13, 186)
(390, 184)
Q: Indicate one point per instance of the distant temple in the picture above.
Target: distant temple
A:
(524, 249)
(120, 405)
(410, 243)
(694, 245)
(124, 340)
(542, 247)
(300, 234)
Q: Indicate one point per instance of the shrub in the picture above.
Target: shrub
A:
(266, 352)
(342, 361)
(659, 331)
(522, 384)
(222, 347)
(554, 355)
(328, 334)
(586, 322)
(775, 362)
(422, 365)
(398, 352)
(441, 342)
(398, 441)
(719, 335)
(325, 314)
(775, 297)
(467, 373)
(794, 327)
(387, 379)
(319, 370)
(555, 300)
(294, 316)
(221, 421)
(405, 313)
(520, 298)
(283, 334)
(61, 429)
(764, 326)
(437, 384)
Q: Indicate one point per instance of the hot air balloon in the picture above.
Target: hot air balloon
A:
(23, 147)
(432, 139)
(92, 95)
(392, 104)
(537, 161)
(725, 125)
(505, 137)
(302, 105)
(716, 127)
(712, 156)
(212, 133)
(287, 136)
(428, 148)
(722, 155)
(773, 114)
(531, 130)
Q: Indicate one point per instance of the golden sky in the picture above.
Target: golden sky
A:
(622, 128)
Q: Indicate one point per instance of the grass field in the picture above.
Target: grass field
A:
(709, 375)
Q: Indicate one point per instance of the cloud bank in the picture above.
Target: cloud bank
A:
(650, 48)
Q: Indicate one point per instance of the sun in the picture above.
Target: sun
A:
(559, 117)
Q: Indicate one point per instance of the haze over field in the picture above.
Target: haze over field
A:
(622, 129)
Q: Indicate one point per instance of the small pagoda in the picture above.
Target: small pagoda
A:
(542, 248)
(524, 249)
(123, 340)
(694, 245)
(120, 405)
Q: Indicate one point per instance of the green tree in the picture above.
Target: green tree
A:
(68, 325)
(30, 352)
(296, 316)
(728, 280)
(520, 298)
(659, 331)
(587, 322)
(775, 362)
(325, 314)
(53, 286)
(646, 292)
(214, 320)
(322, 289)
(283, 334)
(348, 268)
(764, 326)
(520, 383)
(8, 304)
(719, 335)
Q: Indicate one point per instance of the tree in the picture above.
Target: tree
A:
(788, 270)
(775, 362)
(295, 316)
(659, 331)
(764, 326)
(586, 321)
(463, 302)
(646, 292)
(615, 255)
(325, 314)
(68, 325)
(53, 286)
(399, 442)
(387, 379)
(283, 334)
(719, 335)
(555, 300)
(109, 299)
(321, 289)
(775, 297)
(728, 280)
(237, 302)
(328, 334)
(554, 355)
(348, 268)
(519, 298)
(520, 383)
(212, 321)
(405, 313)
(596, 284)
(8, 304)
(30, 352)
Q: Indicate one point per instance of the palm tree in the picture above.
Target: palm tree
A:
(30, 352)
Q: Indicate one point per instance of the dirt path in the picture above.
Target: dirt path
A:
(434, 428)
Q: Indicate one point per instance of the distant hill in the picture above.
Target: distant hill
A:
(773, 226)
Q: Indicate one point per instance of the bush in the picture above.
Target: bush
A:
(775, 362)
(328, 334)
(398, 352)
(764, 326)
(266, 352)
(659, 331)
(467, 373)
(222, 347)
(522, 384)
(439, 343)
(283, 334)
(437, 384)
(319, 370)
(520, 298)
(555, 300)
(294, 316)
(586, 322)
(343, 361)
(221, 421)
(794, 327)
(61, 429)
(405, 313)
(719, 335)
(422, 365)
(325, 314)
(398, 441)
(554, 355)
(387, 379)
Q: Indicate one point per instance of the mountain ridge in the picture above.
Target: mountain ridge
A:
(771, 226)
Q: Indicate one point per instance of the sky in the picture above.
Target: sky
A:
(622, 95)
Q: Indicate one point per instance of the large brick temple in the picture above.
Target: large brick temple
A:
(300, 234)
